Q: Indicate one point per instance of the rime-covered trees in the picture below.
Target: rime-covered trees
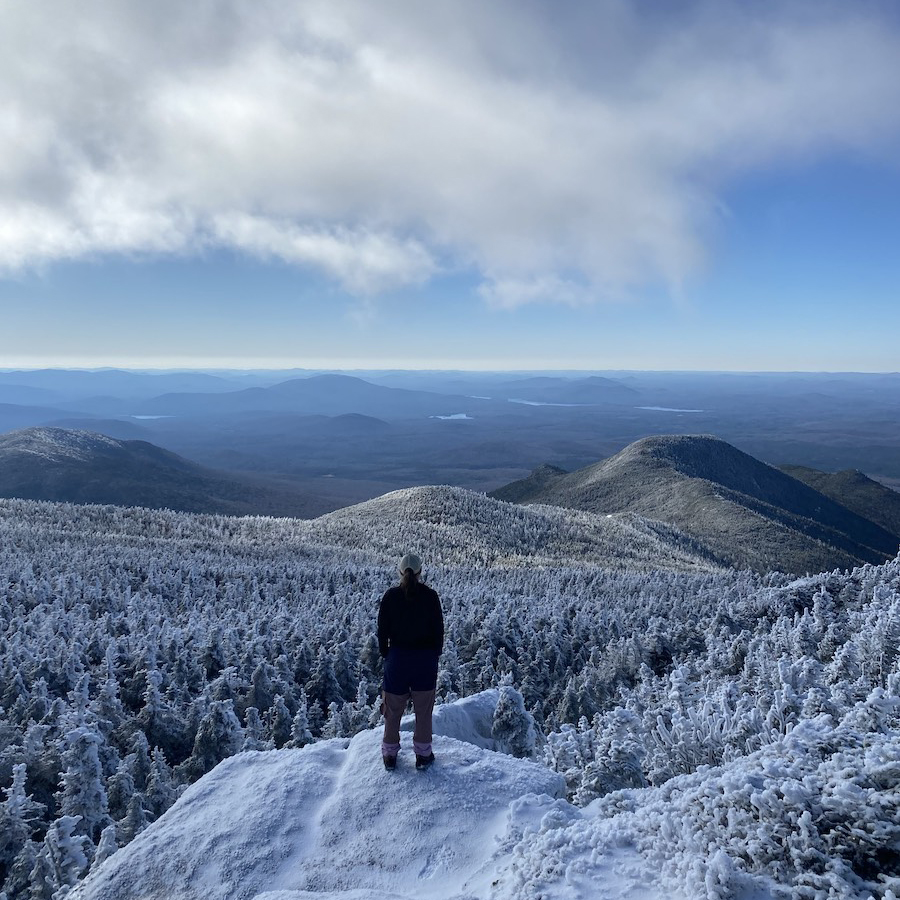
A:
(219, 736)
(20, 819)
(300, 733)
(61, 860)
(83, 793)
(139, 648)
(513, 726)
(278, 723)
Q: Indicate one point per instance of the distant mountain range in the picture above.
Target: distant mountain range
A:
(591, 391)
(84, 467)
(317, 395)
(477, 430)
(688, 495)
(748, 514)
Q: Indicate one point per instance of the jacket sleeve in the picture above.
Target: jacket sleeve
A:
(383, 637)
(439, 625)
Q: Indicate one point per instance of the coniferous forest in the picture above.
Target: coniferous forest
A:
(140, 648)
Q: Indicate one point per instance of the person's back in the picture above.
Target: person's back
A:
(410, 638)
(410, 618)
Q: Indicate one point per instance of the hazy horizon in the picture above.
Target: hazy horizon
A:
(367, 369)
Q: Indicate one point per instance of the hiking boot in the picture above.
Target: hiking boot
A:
(423, 762)
(390, 762)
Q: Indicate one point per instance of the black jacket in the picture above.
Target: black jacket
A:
(416, 621)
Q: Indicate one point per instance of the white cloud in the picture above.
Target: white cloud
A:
(567, 154)
(361, 261)
(509, 293)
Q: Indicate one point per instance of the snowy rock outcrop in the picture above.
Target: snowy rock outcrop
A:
(468, 719)
(328, 818)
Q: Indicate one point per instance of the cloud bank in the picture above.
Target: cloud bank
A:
(565, 153)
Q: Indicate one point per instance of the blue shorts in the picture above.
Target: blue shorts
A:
(410, 669)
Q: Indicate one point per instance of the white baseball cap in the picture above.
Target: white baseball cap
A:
(410, 561)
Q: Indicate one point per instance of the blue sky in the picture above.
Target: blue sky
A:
(591, 186)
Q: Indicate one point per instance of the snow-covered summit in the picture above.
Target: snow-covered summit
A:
(328, 819)
(453, 526)
(58, 443)
(328, 822)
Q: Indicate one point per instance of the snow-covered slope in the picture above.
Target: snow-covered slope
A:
(328, 818)
(453, 525)
(448, 526)
(328, 822)
(57, 444)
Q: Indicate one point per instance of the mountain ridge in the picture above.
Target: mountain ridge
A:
(749, 513)
(450, 523)
(316, 394)
(69, 465)
(856, 491)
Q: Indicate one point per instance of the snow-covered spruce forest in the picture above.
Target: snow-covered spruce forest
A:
(140, 648)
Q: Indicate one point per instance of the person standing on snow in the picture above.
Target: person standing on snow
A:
(410, 639)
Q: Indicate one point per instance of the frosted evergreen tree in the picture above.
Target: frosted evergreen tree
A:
(220, 735)
(568, 709)
(879, 713)
(135, 821)
(18, 881)
(157, 720)
(323, 689)
(617, 756)
(120, 790)
(61, 861)
(346, 664)
(448, 675)
(107, 846)
(38, 701)
(360, 713)
(109, 713)
(513, 726)
(83, 794)
(370, 657)
(261, 694)
(139, 760)
(20, 817)
(300, 733)
(278, 723)
(16, 692)
(160, 793)
(225, 687)
(79, 702)
(253, 731)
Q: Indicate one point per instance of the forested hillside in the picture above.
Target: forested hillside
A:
(140, 648)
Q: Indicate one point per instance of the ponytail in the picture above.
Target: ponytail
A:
(409, 581)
